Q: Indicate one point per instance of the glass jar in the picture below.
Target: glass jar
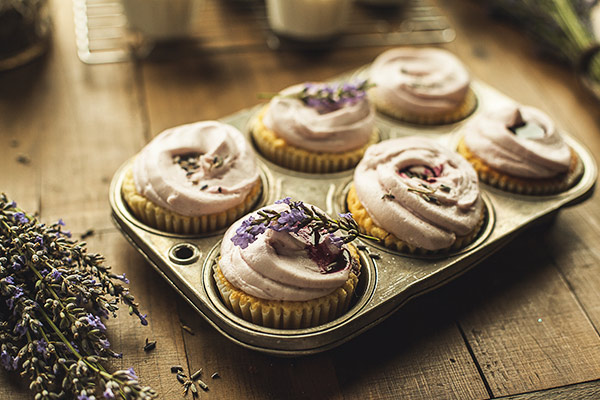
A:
(24, 31)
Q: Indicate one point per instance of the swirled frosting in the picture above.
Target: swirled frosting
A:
(518, 140)
(343, 129)
(196, 169)
(420, 191)
(420, 80)
(278, 265)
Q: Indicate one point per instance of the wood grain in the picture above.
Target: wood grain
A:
(87, 111)
(523, 325)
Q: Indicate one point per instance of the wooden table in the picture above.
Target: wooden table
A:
(524, 324)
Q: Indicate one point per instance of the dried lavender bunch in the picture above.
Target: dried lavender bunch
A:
(299, 216)
(562, 27)
(53, 299)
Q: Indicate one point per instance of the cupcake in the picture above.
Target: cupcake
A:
(316, 127)
(192, 179)
(416, 196)
(421, 86)
(518, 149)
(274, 271)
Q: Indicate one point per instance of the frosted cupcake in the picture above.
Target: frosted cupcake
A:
(416, 196)
(316, 127)
(421, 85)
(193, 179)
(275, 271)
(518, 149)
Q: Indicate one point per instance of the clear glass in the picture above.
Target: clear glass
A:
(24, 31)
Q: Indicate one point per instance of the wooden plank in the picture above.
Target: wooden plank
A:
(20, 128)
(582, 391)
(418, 353)
(527, 330)
(87, 123)
(574, 250)
(246, 374)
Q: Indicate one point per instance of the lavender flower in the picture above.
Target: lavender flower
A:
(131, 373)
(17, 292)
(6, 360)
(122, 278)
(330, 97)
(95, 322)
(56, 275)
(299, 216)
(20, 329)
(84, 396)
(336, 240)
(42, 347)
(108, 394)
(247, 232)
(20, 217)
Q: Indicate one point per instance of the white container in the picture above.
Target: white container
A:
(308, 19)
(162, 19)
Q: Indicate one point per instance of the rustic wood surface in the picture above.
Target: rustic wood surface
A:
(524, 324)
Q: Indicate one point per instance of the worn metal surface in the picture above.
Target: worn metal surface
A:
(386, 283)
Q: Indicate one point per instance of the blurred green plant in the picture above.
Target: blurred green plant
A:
(562, 28)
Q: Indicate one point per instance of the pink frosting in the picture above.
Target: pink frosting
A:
(225, 175)
(427, 213)
(542, 154)
(421, 80)
(276, 266)
(344, 129)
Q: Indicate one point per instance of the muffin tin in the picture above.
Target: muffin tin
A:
(388, 279)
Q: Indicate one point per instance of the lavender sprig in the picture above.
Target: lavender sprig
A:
(53, 299)
(326, 97)
(299, 216)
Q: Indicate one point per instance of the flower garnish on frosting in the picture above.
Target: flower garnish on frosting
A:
(428, 175)
(325, 97)
(325, 245)
(330, 97)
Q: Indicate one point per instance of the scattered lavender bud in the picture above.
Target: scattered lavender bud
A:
(176, 368)
(196, 374)
(150, 345)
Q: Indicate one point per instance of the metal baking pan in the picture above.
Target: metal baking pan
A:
(388, 279)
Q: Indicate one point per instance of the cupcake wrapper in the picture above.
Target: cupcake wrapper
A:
(165, 220)
(368, 226)
(519, 185)
(286, 314)
(282, 153)
(461, 112)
